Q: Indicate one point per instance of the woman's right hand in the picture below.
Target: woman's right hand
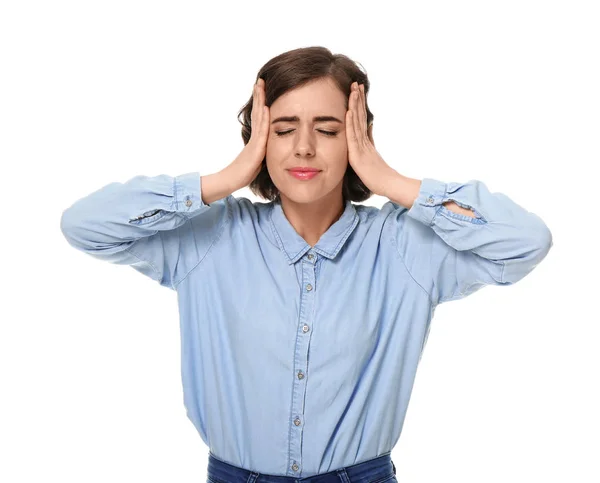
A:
(242, 171)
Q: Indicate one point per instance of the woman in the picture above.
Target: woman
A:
(303, 318)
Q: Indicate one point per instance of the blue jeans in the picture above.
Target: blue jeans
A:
(377, 470)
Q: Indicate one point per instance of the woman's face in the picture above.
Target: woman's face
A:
(305, 141)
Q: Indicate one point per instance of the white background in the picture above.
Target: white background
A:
(96, 92)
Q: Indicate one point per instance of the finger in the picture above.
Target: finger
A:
(263, 106)
(260, 103)
(355, 117)
(265, 121)
(254, 115)
(261, 97)
(370, 134)
(362, 113)
(364, 102)
(350, 133)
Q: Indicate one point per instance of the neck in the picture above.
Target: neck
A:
(312, 220)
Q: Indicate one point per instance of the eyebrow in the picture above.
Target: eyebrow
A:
(297, 119)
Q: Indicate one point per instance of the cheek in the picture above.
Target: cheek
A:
(339, 153)
(274, 147)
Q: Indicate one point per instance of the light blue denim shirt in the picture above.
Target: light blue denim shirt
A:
(299, 360)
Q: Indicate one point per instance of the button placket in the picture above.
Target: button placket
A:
(308, 268)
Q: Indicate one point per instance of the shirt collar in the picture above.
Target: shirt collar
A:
(330, 243)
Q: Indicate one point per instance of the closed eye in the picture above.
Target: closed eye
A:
(328, 133)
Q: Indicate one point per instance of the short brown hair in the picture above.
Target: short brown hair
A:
(294, 69)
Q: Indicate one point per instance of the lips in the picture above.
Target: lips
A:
(304, 170)
(304, 175)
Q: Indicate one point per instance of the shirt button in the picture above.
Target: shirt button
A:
(430, 200)
(297, 422)
(188, 203)
(310, 256)
(300, 375)
(305, 328)
(309, 287)
(295, 467)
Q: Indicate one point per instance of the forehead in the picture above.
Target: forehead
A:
(320, 96)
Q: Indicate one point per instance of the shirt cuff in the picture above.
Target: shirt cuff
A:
(429, 201)
(187, 193)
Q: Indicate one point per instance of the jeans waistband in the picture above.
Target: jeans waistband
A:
(380, 469)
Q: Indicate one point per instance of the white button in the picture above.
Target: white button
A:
(310, 256)
(309, 287)
(188, 203)
(295, 467)
(297, 422)
(305, 328)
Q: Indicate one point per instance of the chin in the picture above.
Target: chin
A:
(305, 195)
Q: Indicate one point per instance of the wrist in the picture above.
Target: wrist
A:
(403, 190)
(215, 187)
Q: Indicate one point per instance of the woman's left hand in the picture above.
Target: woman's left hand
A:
(370, 167)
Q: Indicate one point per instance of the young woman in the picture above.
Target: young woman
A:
(304, 317)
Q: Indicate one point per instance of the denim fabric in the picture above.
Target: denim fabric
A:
(377, 470)
(299, 359)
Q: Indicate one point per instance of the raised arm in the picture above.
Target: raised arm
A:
(147, 221)
(455, 238)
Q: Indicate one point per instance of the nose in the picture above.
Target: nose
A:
(304, 153)
(304, 146)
